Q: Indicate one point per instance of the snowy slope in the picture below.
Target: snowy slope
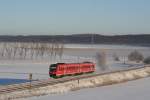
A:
(133, 90)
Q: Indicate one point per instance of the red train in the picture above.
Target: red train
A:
(63, 69)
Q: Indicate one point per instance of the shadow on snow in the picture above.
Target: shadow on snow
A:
(7, 81)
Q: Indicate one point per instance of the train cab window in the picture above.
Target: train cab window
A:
(53, 67)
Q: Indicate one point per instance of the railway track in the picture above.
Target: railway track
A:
(46, 82)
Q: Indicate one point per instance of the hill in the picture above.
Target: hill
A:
(142, 39)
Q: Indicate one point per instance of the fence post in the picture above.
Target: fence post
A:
(30, 78)
(78, 81)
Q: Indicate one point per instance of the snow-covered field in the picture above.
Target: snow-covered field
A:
(20, 68)
(91, 50)
(136, 90)
(17, 70)
(133, 90)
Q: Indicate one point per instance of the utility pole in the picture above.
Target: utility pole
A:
(92, 43)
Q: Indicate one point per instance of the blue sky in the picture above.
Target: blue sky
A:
(25, 17)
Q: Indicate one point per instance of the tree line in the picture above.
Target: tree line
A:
(30, 50)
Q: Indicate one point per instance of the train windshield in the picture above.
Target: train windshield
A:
(52, 67)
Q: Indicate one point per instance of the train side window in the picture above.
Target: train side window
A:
(62, 68)
(68, 68)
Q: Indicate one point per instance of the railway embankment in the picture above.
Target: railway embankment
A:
(88, 82)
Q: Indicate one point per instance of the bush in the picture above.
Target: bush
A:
(115, 57)
(147, 60)
(135, 56)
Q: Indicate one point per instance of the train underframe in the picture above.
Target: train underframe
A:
(60, 76)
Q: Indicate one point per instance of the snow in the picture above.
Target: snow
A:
(102, 46)
(133, 90)
(20, 68)
(82, 83)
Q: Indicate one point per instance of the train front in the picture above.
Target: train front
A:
(52, 70)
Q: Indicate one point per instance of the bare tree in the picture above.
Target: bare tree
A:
(2, 51)
(115, 57)
(15, 49)
(30, 50)
(25, 52)
(42, 50)
(61, 50)
(21, 52)
(135, 56)
(147, 60)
